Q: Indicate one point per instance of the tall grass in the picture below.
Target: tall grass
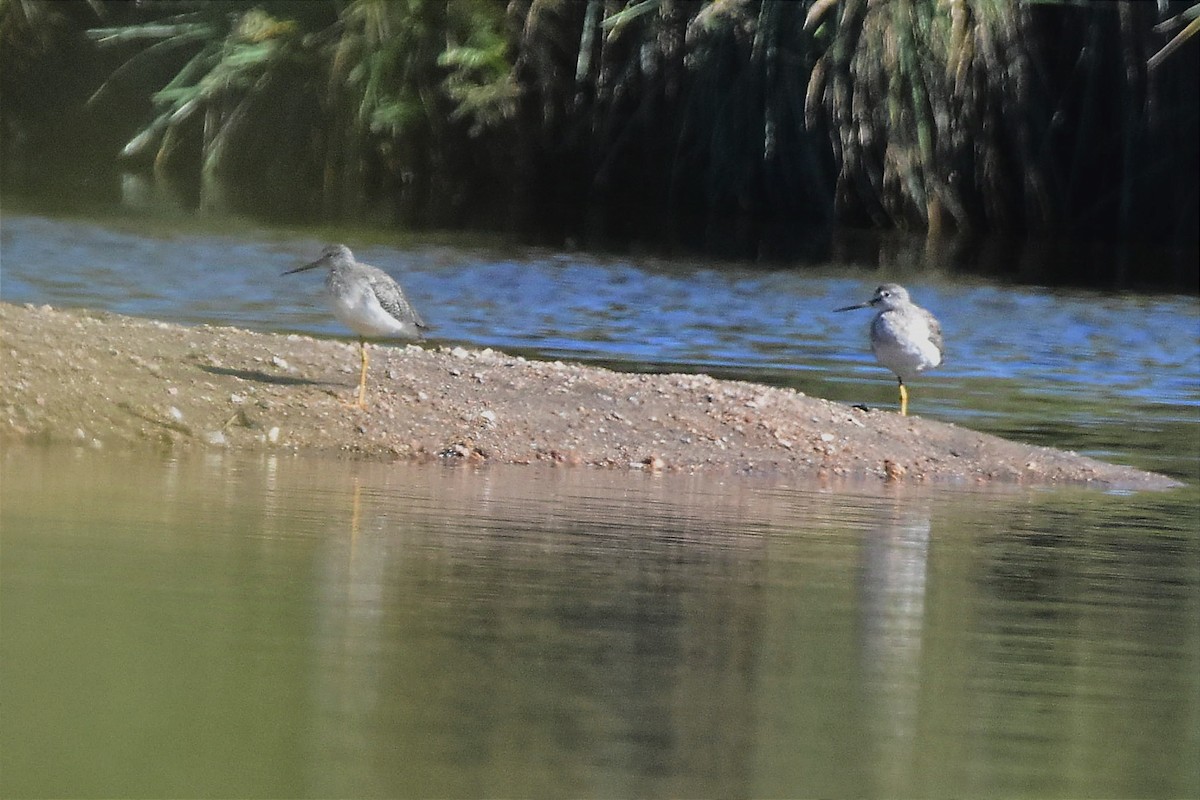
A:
(740, 127)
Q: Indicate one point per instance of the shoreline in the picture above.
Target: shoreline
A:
(102, 380)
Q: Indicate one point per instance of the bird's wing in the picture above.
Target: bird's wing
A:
(391, 297)
(935, 330)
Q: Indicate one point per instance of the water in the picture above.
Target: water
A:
(255, 625)
(1115, 376)
(263, 626)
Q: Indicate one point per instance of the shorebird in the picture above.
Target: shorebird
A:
(367, 301)
(905, 338)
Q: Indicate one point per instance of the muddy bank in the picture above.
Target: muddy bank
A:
(102, 380)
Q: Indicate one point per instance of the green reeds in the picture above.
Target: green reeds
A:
(224, 90)
(925, 99)
(732, 126)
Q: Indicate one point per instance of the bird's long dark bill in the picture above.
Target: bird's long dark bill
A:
(852, 308)
(313, 265)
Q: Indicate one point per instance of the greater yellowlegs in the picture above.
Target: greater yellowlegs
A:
(367, 301)
(905, 338)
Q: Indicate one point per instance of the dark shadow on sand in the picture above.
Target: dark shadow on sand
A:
(262, 377)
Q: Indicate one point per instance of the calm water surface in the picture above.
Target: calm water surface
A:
(275, 626)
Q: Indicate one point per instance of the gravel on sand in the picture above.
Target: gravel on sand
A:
(96, 379)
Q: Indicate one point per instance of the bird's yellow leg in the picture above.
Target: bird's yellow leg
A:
(361, 400)
(362, 376)
(903, 399)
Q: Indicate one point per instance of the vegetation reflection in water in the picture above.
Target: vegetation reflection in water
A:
(748, 129)
(282, 626)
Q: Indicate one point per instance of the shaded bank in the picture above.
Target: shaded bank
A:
(102, 380)
(735, 128)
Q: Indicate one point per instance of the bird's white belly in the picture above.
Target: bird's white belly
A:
(904, 351)
(358, 309)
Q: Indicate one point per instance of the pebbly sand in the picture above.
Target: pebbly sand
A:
(95, 379)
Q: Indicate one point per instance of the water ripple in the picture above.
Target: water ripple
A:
(1007, 347)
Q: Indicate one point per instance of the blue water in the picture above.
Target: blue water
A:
(1053, 367)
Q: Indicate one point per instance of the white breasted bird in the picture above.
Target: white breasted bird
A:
(905, 338)
(367, 301)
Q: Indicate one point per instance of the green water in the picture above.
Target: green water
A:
(280, 627)
(270, 626)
